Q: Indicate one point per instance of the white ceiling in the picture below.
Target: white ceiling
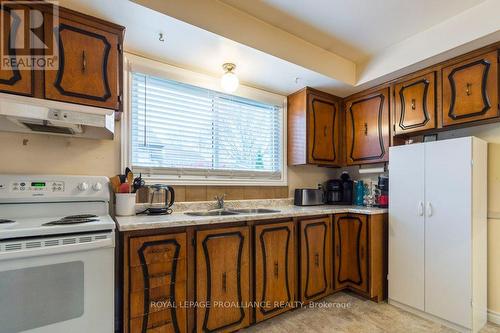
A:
(196, 49)
(352, 29)
(355, 29)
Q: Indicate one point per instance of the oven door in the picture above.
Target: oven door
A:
(57, 284)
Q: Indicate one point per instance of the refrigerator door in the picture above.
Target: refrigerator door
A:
(406, 225)
(448, 188)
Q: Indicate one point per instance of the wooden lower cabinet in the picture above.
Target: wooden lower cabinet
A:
(222, 279)
(196, 279)
(274, 269)
(315, 258)
(360, 261)
(156, 288)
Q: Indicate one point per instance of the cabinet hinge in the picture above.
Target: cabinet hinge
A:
(193, 241)
(120, 48)
(120, 98)
(394, 127)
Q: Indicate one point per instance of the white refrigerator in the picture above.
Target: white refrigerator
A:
(438, 231)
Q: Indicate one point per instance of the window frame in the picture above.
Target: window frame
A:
(134, 63)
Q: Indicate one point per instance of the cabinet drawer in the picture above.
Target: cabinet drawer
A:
(155, 275)
(159, 322)
(157, 249)
(155, 299)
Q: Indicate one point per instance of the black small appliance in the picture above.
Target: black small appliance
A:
(383, 186)
(340, 191)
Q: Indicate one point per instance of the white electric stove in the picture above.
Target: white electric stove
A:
(56, 254)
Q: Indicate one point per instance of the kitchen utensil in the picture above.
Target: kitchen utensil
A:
(138, 183)
(115, 183)
(168, 191)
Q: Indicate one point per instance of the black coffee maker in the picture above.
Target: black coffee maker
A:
(340, 191)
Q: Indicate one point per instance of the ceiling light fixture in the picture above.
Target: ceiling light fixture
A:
(229, 80)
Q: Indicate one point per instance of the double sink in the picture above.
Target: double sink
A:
(222, 212)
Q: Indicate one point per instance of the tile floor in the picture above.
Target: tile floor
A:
(357, 315)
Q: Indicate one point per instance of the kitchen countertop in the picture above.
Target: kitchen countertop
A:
(179, 219)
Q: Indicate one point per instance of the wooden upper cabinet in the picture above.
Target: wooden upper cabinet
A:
(367, 127)
(314, 128)
(415, 104)
(89, 64)
(274, 269)
(15, 25)
(470, 90)
(315, 258)
(222, 275)
(351, 251)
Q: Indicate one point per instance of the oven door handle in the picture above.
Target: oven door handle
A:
(56, 249)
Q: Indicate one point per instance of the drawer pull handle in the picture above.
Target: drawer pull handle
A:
(84, 61)
(224, 281)
(276, 269)
(159, 275)
(413, 103)
(316, 259)
(468, 89)
(366, 129)
(160, 250)
(160, 324)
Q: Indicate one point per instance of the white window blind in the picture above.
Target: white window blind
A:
(183, 131)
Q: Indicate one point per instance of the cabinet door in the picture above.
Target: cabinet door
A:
(406, 225)
(14, 79)
(323, 130)
(448, 238)
(222, 279)
(415, 102)
(315, 261)
(367, 128)
(351, 245)
(274, 268)
(88, 65)
(470, 90)
(157, 271)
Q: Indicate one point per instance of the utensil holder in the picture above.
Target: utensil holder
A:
(125, 204)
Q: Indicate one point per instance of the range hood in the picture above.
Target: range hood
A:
(35, 115)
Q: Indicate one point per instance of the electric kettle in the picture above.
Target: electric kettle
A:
(168, 195)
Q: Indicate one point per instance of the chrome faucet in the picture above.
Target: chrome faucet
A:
(220, 201)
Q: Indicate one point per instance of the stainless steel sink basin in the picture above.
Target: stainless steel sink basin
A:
(255, 211)
(212, 213)
(233, 212)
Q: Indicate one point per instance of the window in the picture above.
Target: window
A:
(184, 132)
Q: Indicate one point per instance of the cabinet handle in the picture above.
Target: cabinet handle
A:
(420, 208)
(160, 250)
(276, 269)
(468, 89)
(224, 282)
(159, 275)
(429, 209)
(413, 103)
(84, 61)
(160, 324)
(366, 129)
(316, 259)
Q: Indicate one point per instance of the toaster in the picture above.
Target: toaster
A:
(308, 197)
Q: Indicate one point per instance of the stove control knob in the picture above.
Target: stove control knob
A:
(97, 187)
(83, 186)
